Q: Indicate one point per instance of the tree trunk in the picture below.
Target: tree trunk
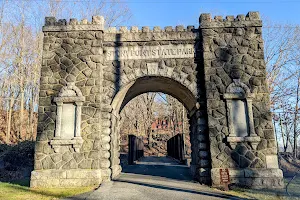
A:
(21, 114)
(31, 122)
(282, 135)
(296, 118)
(149, 133)
(9, 120)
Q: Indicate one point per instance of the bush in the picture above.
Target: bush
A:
(19, 156)
(4, 148)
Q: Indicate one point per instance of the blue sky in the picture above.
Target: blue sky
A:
(180, 12)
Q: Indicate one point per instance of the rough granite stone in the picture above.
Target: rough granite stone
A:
(201, 67)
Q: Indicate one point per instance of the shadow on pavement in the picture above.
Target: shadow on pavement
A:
(160, 167)
(222, 196)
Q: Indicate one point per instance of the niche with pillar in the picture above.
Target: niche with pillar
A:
(68, 118)
(239, 114)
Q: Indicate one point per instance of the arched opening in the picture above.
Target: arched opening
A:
(154, 84)
(141, 86)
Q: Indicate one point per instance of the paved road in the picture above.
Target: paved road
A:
(153, 178)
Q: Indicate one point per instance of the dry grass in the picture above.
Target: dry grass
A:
(19, 190)
(271, 194)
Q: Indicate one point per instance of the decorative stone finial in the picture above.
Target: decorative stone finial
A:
(230, 18)
(62, 22)
(168, 28)
(253, 15)
(73, 21)
(84, 21)
(145, 29)
(156, 29)
(134, 29)
(190, 28)
(123, 29)
(50, 21)
(205, 17)
(179, 28)
(240, 18)
(112, 29)
(97, 20)
(218, 18)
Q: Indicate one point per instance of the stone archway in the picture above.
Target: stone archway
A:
(154, 84)
(207, 68)
(140, 86)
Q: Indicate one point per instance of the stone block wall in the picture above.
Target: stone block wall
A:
(70, 56)
(65, 178)
(233, 50)
(80, 54)
(120, 72)
(109, 67)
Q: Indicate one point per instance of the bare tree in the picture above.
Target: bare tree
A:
(138, 115)
(281, 44)
(296, 113)
(20, 54)
(282, 55)
(148, 100)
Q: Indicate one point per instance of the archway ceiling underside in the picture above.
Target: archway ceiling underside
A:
(154, 84)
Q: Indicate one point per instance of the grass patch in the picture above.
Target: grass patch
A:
(19, 190)
(271, 194)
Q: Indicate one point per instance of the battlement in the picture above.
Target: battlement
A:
(52, 24)
(97, 23)
(51, 21)
(146, 33)
(146, 29)
(251, 19)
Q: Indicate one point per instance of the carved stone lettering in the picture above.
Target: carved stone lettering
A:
(150, 52)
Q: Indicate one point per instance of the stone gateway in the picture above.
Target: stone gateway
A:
(216, 70)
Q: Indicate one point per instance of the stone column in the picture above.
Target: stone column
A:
(200, 165)
(230, 125)
(58, 119)
(115, 147)
(78, 119)
(250, 117)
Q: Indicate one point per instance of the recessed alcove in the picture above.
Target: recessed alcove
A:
(68, 118)
(68, 121)
(240, 116)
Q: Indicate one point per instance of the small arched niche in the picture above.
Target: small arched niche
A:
(240, 116)
(68, 118)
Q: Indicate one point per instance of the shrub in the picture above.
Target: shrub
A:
(19, 156)
(4, 148)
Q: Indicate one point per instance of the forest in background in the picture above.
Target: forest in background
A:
(144, 112)
(21, 47)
